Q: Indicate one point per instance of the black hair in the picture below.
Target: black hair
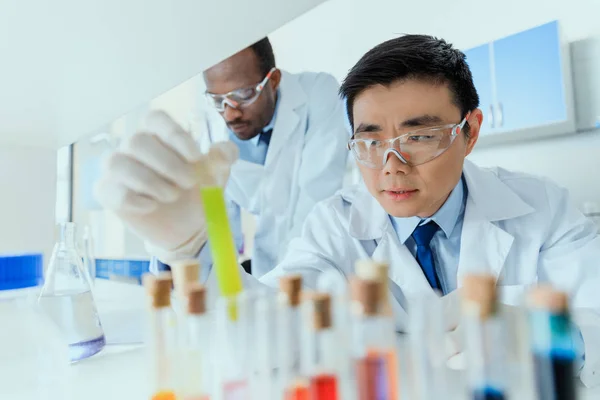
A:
(264, 53)
(413, 57)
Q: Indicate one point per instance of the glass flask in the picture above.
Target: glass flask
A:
(89, 261)
(67, 298)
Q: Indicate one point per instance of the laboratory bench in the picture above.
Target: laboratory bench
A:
(119, 371)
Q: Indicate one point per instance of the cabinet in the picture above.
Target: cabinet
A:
(479, 60)
(525, 85)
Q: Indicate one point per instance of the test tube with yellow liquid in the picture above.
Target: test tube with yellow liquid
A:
(222, 245)
(220, 237)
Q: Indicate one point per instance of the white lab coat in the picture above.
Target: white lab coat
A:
(305, 164)
(520, 228)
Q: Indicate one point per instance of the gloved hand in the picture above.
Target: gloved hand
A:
(152, 183)
(516, 338)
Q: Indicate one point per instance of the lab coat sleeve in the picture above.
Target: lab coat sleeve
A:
(570, 260)
(323, 246)
(324, 154)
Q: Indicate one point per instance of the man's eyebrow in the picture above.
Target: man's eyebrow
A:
(367, 128)
(421, 120)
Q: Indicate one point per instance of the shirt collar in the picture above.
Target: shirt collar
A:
(446, 217)
(269, 127)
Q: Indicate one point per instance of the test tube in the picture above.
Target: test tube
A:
(233, 347)
(553, 348)
(184, 272)
(324, 369)
(336, 285)
(374, 343)
(292, 362)
(426, 337)
(379, 271)
(221, 243)
(484, 338)
(263, 333)
(162, 338)
(195, 350)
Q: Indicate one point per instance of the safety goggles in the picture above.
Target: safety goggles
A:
(239, 98)
(412, 148)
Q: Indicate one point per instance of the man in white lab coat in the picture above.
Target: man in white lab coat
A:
(432, 214)
(290, 130)
(281, 123)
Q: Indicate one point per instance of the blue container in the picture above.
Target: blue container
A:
(19, 271)
(114, 268)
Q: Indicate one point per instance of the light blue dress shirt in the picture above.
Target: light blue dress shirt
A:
(445, 244)
(255, 150)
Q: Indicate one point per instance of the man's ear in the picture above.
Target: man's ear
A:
(275, 79)
(475, 120)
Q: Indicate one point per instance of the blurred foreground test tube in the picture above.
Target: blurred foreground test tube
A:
(484, 339)
(162, 336)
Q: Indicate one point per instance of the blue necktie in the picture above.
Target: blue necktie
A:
(265, 137)
(422, 237)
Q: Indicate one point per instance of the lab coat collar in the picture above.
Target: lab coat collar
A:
(368, 220)
(494, 200)
(290, 101)
(489, 199)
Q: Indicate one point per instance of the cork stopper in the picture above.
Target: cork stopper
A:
(371, 269)
(366, 292)
(159, 289)
(196, 298)
(378, 271)
(184, 272)
(479, 292)
(545, 297)
(322, 311)
(291, 285)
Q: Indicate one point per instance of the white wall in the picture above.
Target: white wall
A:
(69, 67)
(27, 200)
(334, 36)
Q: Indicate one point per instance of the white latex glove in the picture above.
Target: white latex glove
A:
(152, 183)
(516, 345)
(454, 344)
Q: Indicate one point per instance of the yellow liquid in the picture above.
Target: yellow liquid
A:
(222, 245)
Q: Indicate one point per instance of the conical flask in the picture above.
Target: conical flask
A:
(68, 300)
(89, 260)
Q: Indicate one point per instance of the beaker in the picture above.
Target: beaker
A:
(67, 298)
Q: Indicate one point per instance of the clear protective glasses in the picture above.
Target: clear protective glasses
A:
(412, 148)
(239, 98)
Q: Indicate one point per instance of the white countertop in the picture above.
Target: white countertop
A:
(119, 371)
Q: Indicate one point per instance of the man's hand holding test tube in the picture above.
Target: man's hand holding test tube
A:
(153, 183)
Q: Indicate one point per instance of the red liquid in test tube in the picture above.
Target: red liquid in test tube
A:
(324, 387)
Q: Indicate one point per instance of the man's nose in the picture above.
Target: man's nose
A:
(394, 163)
(231, 114)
